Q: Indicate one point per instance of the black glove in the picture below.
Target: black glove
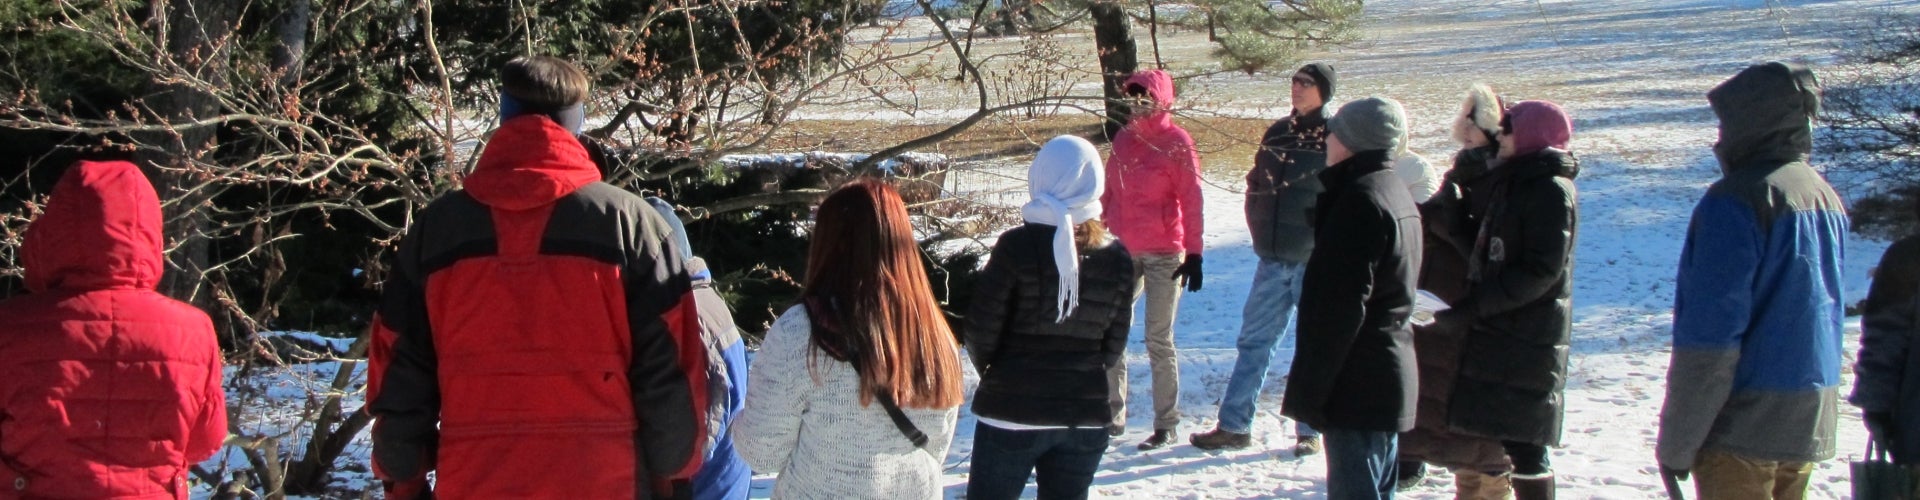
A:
(1188, 274)
(1677, 474)
(1880, 427)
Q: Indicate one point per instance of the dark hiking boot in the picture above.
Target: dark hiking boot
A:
(1410, 475)
(1533, 487)
(1219, 439)
(1306, 445)
(1160, 438)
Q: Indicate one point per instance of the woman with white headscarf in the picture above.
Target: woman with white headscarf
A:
(1049, 318)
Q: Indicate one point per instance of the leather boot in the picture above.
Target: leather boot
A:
(1533, 488)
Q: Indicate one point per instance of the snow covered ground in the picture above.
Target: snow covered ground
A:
(1634, 75)
(1632, 72)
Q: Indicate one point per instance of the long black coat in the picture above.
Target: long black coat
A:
(1033, 370)
(1354, 366)
(1513, 364)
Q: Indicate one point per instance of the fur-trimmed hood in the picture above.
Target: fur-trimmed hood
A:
(1480, 114)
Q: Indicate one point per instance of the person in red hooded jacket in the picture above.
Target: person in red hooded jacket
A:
(537, 336)
(1153, 206)
(108, 389)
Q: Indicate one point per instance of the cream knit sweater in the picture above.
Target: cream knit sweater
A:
(810, 427)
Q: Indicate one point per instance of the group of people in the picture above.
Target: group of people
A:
(544, 334)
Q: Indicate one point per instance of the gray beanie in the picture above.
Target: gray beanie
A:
(1371, 124)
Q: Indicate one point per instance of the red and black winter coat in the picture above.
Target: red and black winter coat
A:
(538, 336)
(108, 389)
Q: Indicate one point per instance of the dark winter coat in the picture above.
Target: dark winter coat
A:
(1353, 368)
(108, 389)
(1887, 374)
(1757, 307)
(538, 336)
(1283, 185)
(1033, 370)
(1452, 219)
(1519, 307)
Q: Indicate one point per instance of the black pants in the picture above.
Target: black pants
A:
(1528, 459)
(1062, 461)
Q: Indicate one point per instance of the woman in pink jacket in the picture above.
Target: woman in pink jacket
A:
(1153, 207)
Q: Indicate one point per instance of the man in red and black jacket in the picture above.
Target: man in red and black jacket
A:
(537, 337)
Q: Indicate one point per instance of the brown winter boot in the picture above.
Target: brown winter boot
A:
(1469, 484)
(1533, 488)
(1220, 439)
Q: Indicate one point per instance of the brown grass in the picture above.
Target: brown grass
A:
(1226, 144)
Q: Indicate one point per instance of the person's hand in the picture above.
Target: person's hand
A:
(408, 490)
(1449, 323)
(1880, 427)
(1677, 474)
(1188, 274)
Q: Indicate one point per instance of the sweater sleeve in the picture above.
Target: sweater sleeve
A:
(1192, 214)
(769, 427)
(1713, 299)
(1887, 330)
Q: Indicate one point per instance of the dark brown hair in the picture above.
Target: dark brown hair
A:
(868, 290)
(544, 84)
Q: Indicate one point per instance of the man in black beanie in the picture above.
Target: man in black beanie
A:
(1280, 190)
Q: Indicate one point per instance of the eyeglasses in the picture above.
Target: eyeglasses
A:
(1301, 81)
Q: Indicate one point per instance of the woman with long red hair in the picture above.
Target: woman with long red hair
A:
(865, 363)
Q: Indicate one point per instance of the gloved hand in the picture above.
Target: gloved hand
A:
(1188, 274)
(416, 489)
(1448, 323)
(1880, 427)
(1677, 474)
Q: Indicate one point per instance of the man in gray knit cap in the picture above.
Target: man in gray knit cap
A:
(1356, 305)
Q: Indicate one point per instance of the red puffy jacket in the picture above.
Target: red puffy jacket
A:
(1153, 202)
(107, 388)
(537, 337)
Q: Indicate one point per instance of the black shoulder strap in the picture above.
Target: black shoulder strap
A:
(900, 421)
(884, 396)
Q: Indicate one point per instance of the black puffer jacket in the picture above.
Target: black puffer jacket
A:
(1033, 370)
(1283, 185)
(1513, 365)
(1452, 220)
(1354, 366)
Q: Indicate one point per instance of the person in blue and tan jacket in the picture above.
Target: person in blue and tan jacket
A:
(1754, 385)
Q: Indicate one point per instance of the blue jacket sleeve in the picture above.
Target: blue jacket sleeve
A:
(1713, 304)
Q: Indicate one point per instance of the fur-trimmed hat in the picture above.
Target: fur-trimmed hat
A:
(1480, 114)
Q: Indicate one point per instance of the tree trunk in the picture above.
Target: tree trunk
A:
(290, 56)
(1113, 34)
(194, 34)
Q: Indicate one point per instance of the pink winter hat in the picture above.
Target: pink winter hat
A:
(1537, 125)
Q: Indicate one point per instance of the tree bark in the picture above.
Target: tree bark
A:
(195, 35)
(290, 56)
(1119, 58)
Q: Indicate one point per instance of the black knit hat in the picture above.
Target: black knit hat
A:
(1323, 76)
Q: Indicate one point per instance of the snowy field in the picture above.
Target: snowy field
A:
(1633, 73)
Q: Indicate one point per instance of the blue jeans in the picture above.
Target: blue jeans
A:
(1061, 461)
(1361, 465)
(1264, 323)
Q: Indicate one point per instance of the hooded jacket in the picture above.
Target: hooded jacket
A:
(1354, 367)
(1885, 377)
(538, 336)
(1283, 185)
(1153, 201)
(1757, 308)
(108, 389)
